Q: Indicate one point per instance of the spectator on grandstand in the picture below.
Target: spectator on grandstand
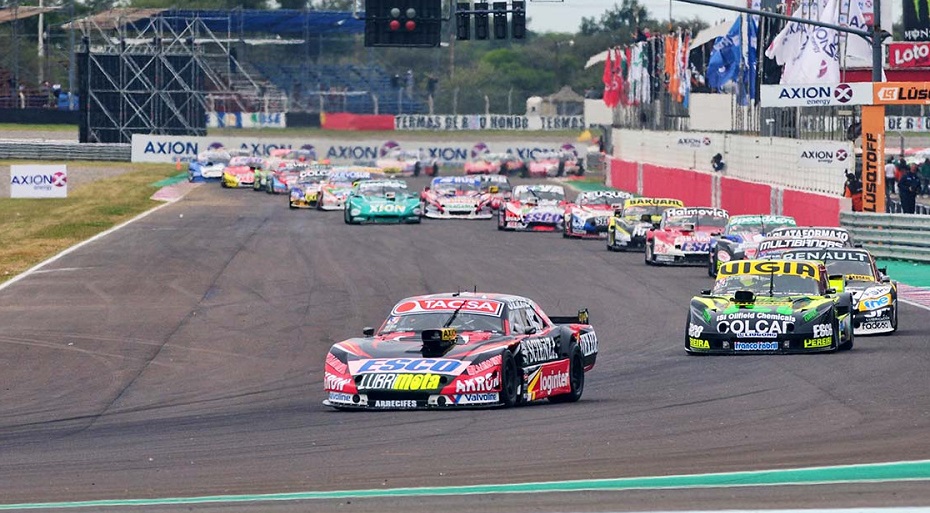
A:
(889, 177)
(925, 177)
(431, 82)
(908, 189)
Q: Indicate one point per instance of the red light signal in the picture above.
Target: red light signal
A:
(410, 26)
(394, 25)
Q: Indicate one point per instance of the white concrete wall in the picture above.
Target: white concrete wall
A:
(711, 112)
(816, 166)
(596, 113)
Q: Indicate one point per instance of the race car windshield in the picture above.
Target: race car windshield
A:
(848, 267)
(451, 189)
(381, 190)
(696, 220)
(540, 195)
(311, 179)
(599, 200)
(639, 211)
(464, 321)
(754, 227)
(763, 284)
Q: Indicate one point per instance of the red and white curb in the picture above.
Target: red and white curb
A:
(917, 296)
(172, 193)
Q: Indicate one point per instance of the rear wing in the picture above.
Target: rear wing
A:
(581, 318)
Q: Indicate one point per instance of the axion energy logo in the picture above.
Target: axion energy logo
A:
(39, 181)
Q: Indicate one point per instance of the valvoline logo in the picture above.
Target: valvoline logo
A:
(479, 149)
(387, 148)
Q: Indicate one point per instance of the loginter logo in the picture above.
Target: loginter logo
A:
(551, 382)
(888, 94)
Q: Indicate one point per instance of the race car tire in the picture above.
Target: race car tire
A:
(510, 381)
(561, 169)
(575, 379)
(580, 169)
(611, 241)
(648, 256)
(416, 169)
(711, 266)
(500, 221)
(846, 346)
(346, 217)
(524, 171)
(291, 206)
(319, 202)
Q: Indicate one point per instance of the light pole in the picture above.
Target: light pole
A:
(558, 64)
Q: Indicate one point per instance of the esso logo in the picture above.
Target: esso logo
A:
(909, 55)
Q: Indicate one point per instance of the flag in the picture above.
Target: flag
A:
(858, 51)
(627, 97)
(671, 66)
(748, 81)
(818, 60)
(723, 65)
(610, 98)
(640, 81)
(684, 70)
(620, 68)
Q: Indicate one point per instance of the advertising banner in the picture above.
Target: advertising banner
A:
(824, 155)
(916, 20)
(487, 122)
(815, 95)
(246, 120)
(873, 159)
(908, 123)
(169, 148)
(29, 181)
(908, 55)
(901, 93)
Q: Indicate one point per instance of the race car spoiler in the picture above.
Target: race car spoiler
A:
(581, 318)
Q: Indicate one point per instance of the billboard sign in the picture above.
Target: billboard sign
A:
(816, 95)
(32, 181)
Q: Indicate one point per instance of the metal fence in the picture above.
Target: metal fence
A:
(895, 236)
(37, 150)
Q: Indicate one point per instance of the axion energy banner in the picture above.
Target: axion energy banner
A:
(873, 158)
(916, 20)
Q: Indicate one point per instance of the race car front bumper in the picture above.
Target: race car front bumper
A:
(716, 344)
(873, 322)
(413, 401)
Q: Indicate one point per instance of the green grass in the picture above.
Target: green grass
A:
(13, 127)
(32, 230)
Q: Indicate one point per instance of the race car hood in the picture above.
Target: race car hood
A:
(591, 211)
(766, 317)
(742, 244)
(240, 171)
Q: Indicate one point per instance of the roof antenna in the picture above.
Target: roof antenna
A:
(476, 289)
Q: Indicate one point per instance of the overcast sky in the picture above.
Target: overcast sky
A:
(566, 16)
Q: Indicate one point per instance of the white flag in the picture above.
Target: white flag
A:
(858, 50)
(818, 60)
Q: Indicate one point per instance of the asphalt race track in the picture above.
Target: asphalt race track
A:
(182, 356)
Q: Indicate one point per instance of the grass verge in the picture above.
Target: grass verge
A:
(32, 230)
(14, 127)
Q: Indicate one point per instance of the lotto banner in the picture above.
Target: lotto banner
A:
(909, 55)
(873, 159)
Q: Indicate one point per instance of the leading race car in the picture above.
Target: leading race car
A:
(208, 166)
(769, 306)
(741, 238)
(455, 197)
(305, 191)
(462, 350)
(407, 163)
(589, 214)
(382, 201)
(537, 208)
(628, 226)
(874, 295)
(335, 190)
(683, 237)
(496, 189)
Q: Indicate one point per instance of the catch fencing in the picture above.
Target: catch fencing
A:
(895, 236)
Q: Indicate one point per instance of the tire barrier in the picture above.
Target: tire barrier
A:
(894, 236)
(63, 150)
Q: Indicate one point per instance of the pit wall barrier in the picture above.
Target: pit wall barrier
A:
(805, 165)
(699, 188)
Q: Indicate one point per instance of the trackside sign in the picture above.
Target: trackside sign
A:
(815, 95)
(39, 181)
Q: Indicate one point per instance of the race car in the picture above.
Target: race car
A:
(773, 247)
(462, 350)
(538, 208)
(382, 201)
(280, 181)
(590, 213)
(495, 164)
(874, 295)
(455, 197)
(741, 238)
(305, 191)
(208, 166)
(495, 189)
(555, 163)
(683, 236)
(335, 190)
(627, 228)
(240, 172)
(769, 306)
(406, 163)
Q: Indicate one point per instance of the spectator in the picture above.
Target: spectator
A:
(925, 177)
(889, 177)
(853, 190)
(908, 189)
(717, 163)
(431, 85)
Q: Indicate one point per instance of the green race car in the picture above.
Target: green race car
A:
(382, 201)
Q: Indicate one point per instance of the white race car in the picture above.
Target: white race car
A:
(538, 208)
(455, 197)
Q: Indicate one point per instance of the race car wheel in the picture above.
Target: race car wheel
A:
(416, 169)
(500, 221)
(575, 379)
(524, 171)
(712, 266)
(648, 257)
(580, 169)
(290, 205)
(611, 241)
(561, 170)
(846, 346)
(510, 381)
(346, 217)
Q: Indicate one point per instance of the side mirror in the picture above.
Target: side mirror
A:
(529, 330)
(835, 277)
(368, 331)
(831, 290)
(886, 279)
(705, 292)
